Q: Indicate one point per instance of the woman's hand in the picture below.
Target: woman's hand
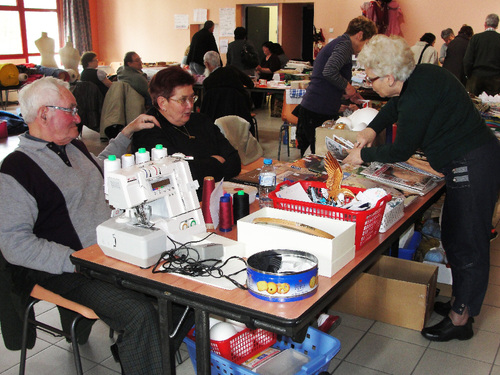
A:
(219, 158)
(365, 138)
(141, 122)
(354, 157)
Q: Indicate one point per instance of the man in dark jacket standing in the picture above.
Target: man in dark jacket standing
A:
(202, 42)
(482, 59)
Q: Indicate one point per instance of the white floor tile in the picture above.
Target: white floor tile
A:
(495, 370)
(488, 319)
(482, 347)
(353, 321)
(399, 333)
(347, 368)
(385, 354)
(348, 338)
(437, 362)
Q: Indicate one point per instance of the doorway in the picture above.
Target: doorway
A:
(289, 24)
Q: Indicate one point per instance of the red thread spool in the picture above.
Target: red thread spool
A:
(225, 213)
(208, 188)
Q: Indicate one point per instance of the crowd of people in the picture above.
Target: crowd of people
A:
(52, 186)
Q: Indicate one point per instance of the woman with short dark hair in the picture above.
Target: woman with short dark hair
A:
(90, 72)
(182, 130)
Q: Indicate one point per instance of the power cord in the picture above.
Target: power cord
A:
(190, 263)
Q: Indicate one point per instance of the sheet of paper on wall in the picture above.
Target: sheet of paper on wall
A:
(200, 15)
(181, 21)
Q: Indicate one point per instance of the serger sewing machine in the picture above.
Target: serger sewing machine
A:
(161, 206)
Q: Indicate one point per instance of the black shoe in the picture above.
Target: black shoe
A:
(442, 308)
(446, 331)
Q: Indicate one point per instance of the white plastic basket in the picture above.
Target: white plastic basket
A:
(392, 214)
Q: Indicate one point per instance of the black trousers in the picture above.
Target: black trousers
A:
(472, 187)
(125, 311)
(306, 127)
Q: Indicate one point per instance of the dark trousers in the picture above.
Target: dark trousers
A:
(125, 311)
(472, 186)
(477, 85)
(306, 127)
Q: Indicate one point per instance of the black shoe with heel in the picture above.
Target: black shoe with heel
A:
(446, 331)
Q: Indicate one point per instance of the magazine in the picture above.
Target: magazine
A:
(400, 178)
(338, 146)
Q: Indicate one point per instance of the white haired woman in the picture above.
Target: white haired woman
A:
(434, 113)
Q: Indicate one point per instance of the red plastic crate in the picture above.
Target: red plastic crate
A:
(241, 346)
(367, 222)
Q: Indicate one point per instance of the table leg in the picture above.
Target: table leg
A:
(202, 342)
(166, 326)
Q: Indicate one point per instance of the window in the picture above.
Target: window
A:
(22, 22)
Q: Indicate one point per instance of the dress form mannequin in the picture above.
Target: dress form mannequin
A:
(70, 57)
(46, 46)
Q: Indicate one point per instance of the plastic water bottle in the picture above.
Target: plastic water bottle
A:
(267, 183)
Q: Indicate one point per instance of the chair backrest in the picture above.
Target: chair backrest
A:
(89, 100)
(122, 104)
(286, 112)
(237, 132)
(224, 101)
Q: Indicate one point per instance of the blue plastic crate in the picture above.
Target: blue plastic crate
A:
(319, 346)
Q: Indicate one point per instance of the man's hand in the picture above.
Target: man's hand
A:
(141, 122)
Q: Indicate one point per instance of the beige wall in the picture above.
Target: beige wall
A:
(148, 27)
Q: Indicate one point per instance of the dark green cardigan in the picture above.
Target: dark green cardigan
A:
(435, 114)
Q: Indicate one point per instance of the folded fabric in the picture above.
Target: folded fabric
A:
(297, 93)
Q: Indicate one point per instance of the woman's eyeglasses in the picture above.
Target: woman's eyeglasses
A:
(185, 100)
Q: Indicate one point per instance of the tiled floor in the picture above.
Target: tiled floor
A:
(368, 347)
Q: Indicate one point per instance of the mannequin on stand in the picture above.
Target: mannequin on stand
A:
(70, 58)
(46, 46)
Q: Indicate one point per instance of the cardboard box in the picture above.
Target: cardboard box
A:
(394, 291)
(332, 254)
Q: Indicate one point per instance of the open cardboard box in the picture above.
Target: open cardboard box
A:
(332, 254)
(394, 291)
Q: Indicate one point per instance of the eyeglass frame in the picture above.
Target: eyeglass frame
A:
(184, 102)
(72, 110)
(371, 80)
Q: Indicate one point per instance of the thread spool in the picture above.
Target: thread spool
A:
(23, 77)
(208, 188)
(4, 133)
(110, 164)
(241, 205)
(141, 156)
(128, 160)
(225, 213)
(159, 152)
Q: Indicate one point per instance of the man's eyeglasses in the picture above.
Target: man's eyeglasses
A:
(72, 110)
(185, 100)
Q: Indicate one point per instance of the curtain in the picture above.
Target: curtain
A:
(76, 20)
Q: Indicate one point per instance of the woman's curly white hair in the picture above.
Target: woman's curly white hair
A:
(387, 55)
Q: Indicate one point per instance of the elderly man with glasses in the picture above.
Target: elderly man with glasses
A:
(52, 199)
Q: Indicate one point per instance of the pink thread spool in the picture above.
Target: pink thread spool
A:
(225, 213)
(208, 188)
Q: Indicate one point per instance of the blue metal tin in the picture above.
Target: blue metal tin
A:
(282, 275)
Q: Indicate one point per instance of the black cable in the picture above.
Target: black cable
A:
(189, 264)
